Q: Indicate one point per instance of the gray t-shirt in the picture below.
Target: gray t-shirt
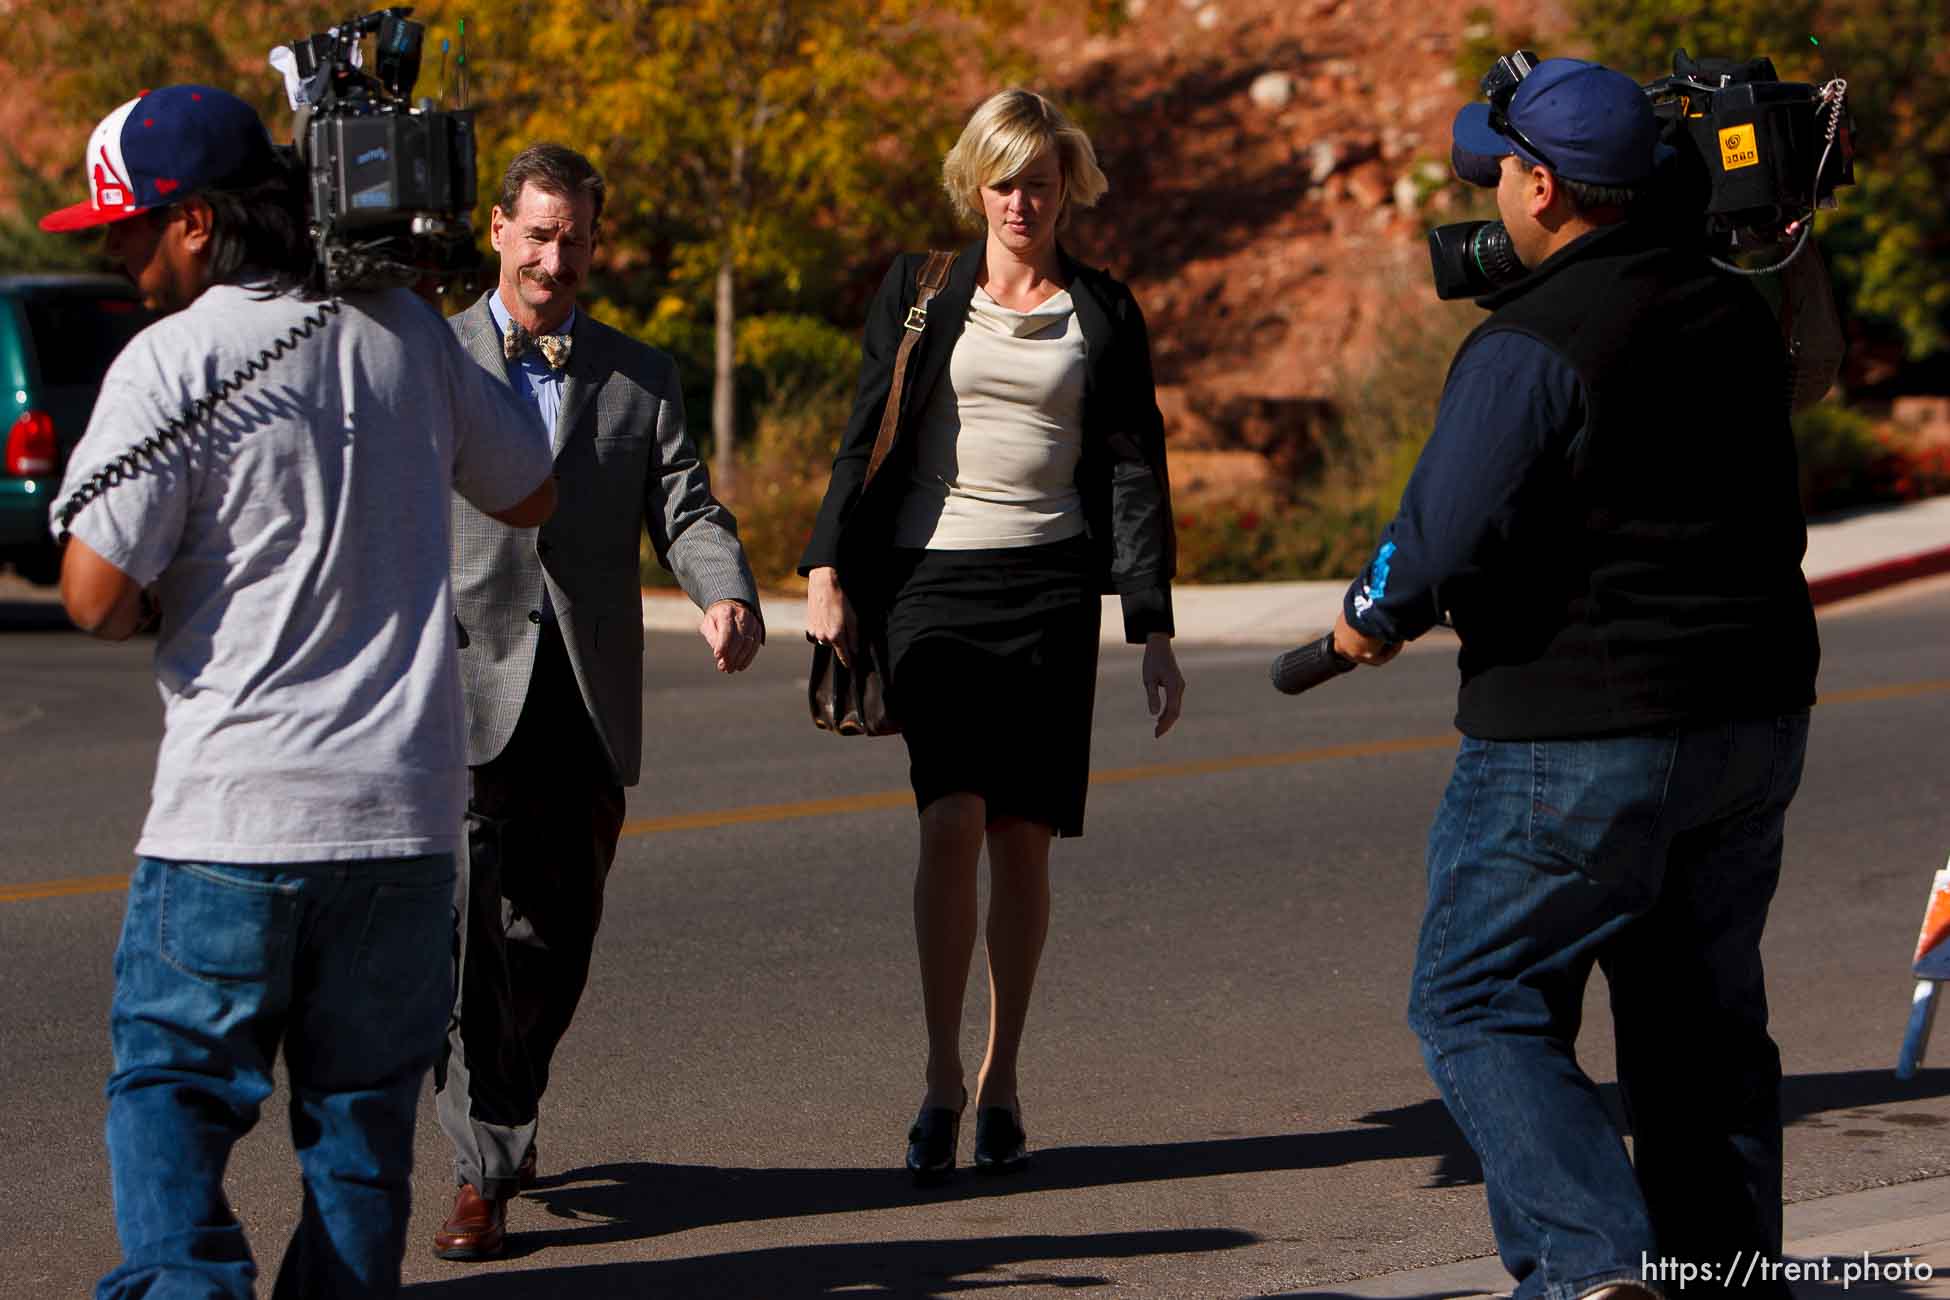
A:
(298, 543)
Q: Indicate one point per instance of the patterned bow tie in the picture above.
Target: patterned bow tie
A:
(554, 347)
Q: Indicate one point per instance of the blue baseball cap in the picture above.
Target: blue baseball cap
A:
(1582, 120)
(162, 146)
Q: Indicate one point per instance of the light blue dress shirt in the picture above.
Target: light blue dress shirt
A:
(541, 384)
(531, 376)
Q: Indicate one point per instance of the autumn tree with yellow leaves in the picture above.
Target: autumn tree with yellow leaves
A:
(749, 145)
(745, 142)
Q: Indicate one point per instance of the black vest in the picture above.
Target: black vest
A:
(1654, 575)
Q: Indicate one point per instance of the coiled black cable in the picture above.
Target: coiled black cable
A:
(126, 465)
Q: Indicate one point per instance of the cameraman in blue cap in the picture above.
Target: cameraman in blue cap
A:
(295, 878)
(1607, 513)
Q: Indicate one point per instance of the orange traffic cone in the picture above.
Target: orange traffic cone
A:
(1930, 965)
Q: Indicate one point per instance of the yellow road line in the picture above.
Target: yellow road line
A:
(884, 799)
(63, 888)
(1903, 692)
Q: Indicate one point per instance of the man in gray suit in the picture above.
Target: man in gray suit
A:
(552, 667)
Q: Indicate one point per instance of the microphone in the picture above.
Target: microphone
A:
(1308, 666)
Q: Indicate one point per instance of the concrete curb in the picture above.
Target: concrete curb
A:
(1874, 577)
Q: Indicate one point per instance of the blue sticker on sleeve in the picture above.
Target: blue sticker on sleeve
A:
(1376, 586)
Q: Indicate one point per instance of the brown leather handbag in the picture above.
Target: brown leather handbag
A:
(853, 701)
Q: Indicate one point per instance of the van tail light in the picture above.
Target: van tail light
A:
(30, 445)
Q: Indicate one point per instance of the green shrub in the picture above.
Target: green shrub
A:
(775, 520)
(1843, 462)
(775, 517)
(785, 357)
(789, 458)
(782, 358)
(1225, 542)
(1922, 472)
(797, 433)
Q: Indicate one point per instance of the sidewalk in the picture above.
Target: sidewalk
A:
(1880, 1244)
(1848, 555)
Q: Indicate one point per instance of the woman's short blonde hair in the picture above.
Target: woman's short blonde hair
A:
(1007, 133)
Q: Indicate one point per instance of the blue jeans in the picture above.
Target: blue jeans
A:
(348, 966)
(1655, 857)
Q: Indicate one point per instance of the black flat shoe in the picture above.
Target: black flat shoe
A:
(999, 1141)
(931, 1144)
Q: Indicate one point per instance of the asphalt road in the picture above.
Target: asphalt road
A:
(1219, 1087)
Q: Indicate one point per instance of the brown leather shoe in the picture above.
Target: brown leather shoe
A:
(477, 1229)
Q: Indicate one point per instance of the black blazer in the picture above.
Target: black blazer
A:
(1121, 478)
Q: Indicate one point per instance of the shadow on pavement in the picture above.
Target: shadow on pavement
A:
(613, 1203)
(1329, 1294)
(604, 1204)
(1804, 1100)
(885, 1268)
(1805, 1096)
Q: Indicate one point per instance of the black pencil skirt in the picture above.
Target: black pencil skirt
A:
(992, 659)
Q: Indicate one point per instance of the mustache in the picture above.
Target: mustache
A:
(545, 280)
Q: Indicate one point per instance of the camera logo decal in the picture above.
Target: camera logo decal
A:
(1738, 148)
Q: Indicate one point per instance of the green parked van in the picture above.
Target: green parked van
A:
(57, 335)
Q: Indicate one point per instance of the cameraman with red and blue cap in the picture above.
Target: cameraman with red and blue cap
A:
(1607, 512)
(272, 472)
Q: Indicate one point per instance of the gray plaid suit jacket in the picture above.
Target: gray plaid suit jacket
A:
(623, 462)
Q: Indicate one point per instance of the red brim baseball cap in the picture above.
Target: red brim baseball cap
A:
(162, 146)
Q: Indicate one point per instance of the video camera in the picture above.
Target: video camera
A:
(1754, 157)
(390, 185)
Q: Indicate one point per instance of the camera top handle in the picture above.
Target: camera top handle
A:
(327, 62)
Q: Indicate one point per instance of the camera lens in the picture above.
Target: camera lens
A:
(1496, 257)
(1472, 258)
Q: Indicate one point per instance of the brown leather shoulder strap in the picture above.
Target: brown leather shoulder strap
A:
(929, 280)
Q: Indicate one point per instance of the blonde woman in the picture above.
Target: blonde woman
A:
(1027, 476)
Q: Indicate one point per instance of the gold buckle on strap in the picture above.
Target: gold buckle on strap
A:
(917, 317)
